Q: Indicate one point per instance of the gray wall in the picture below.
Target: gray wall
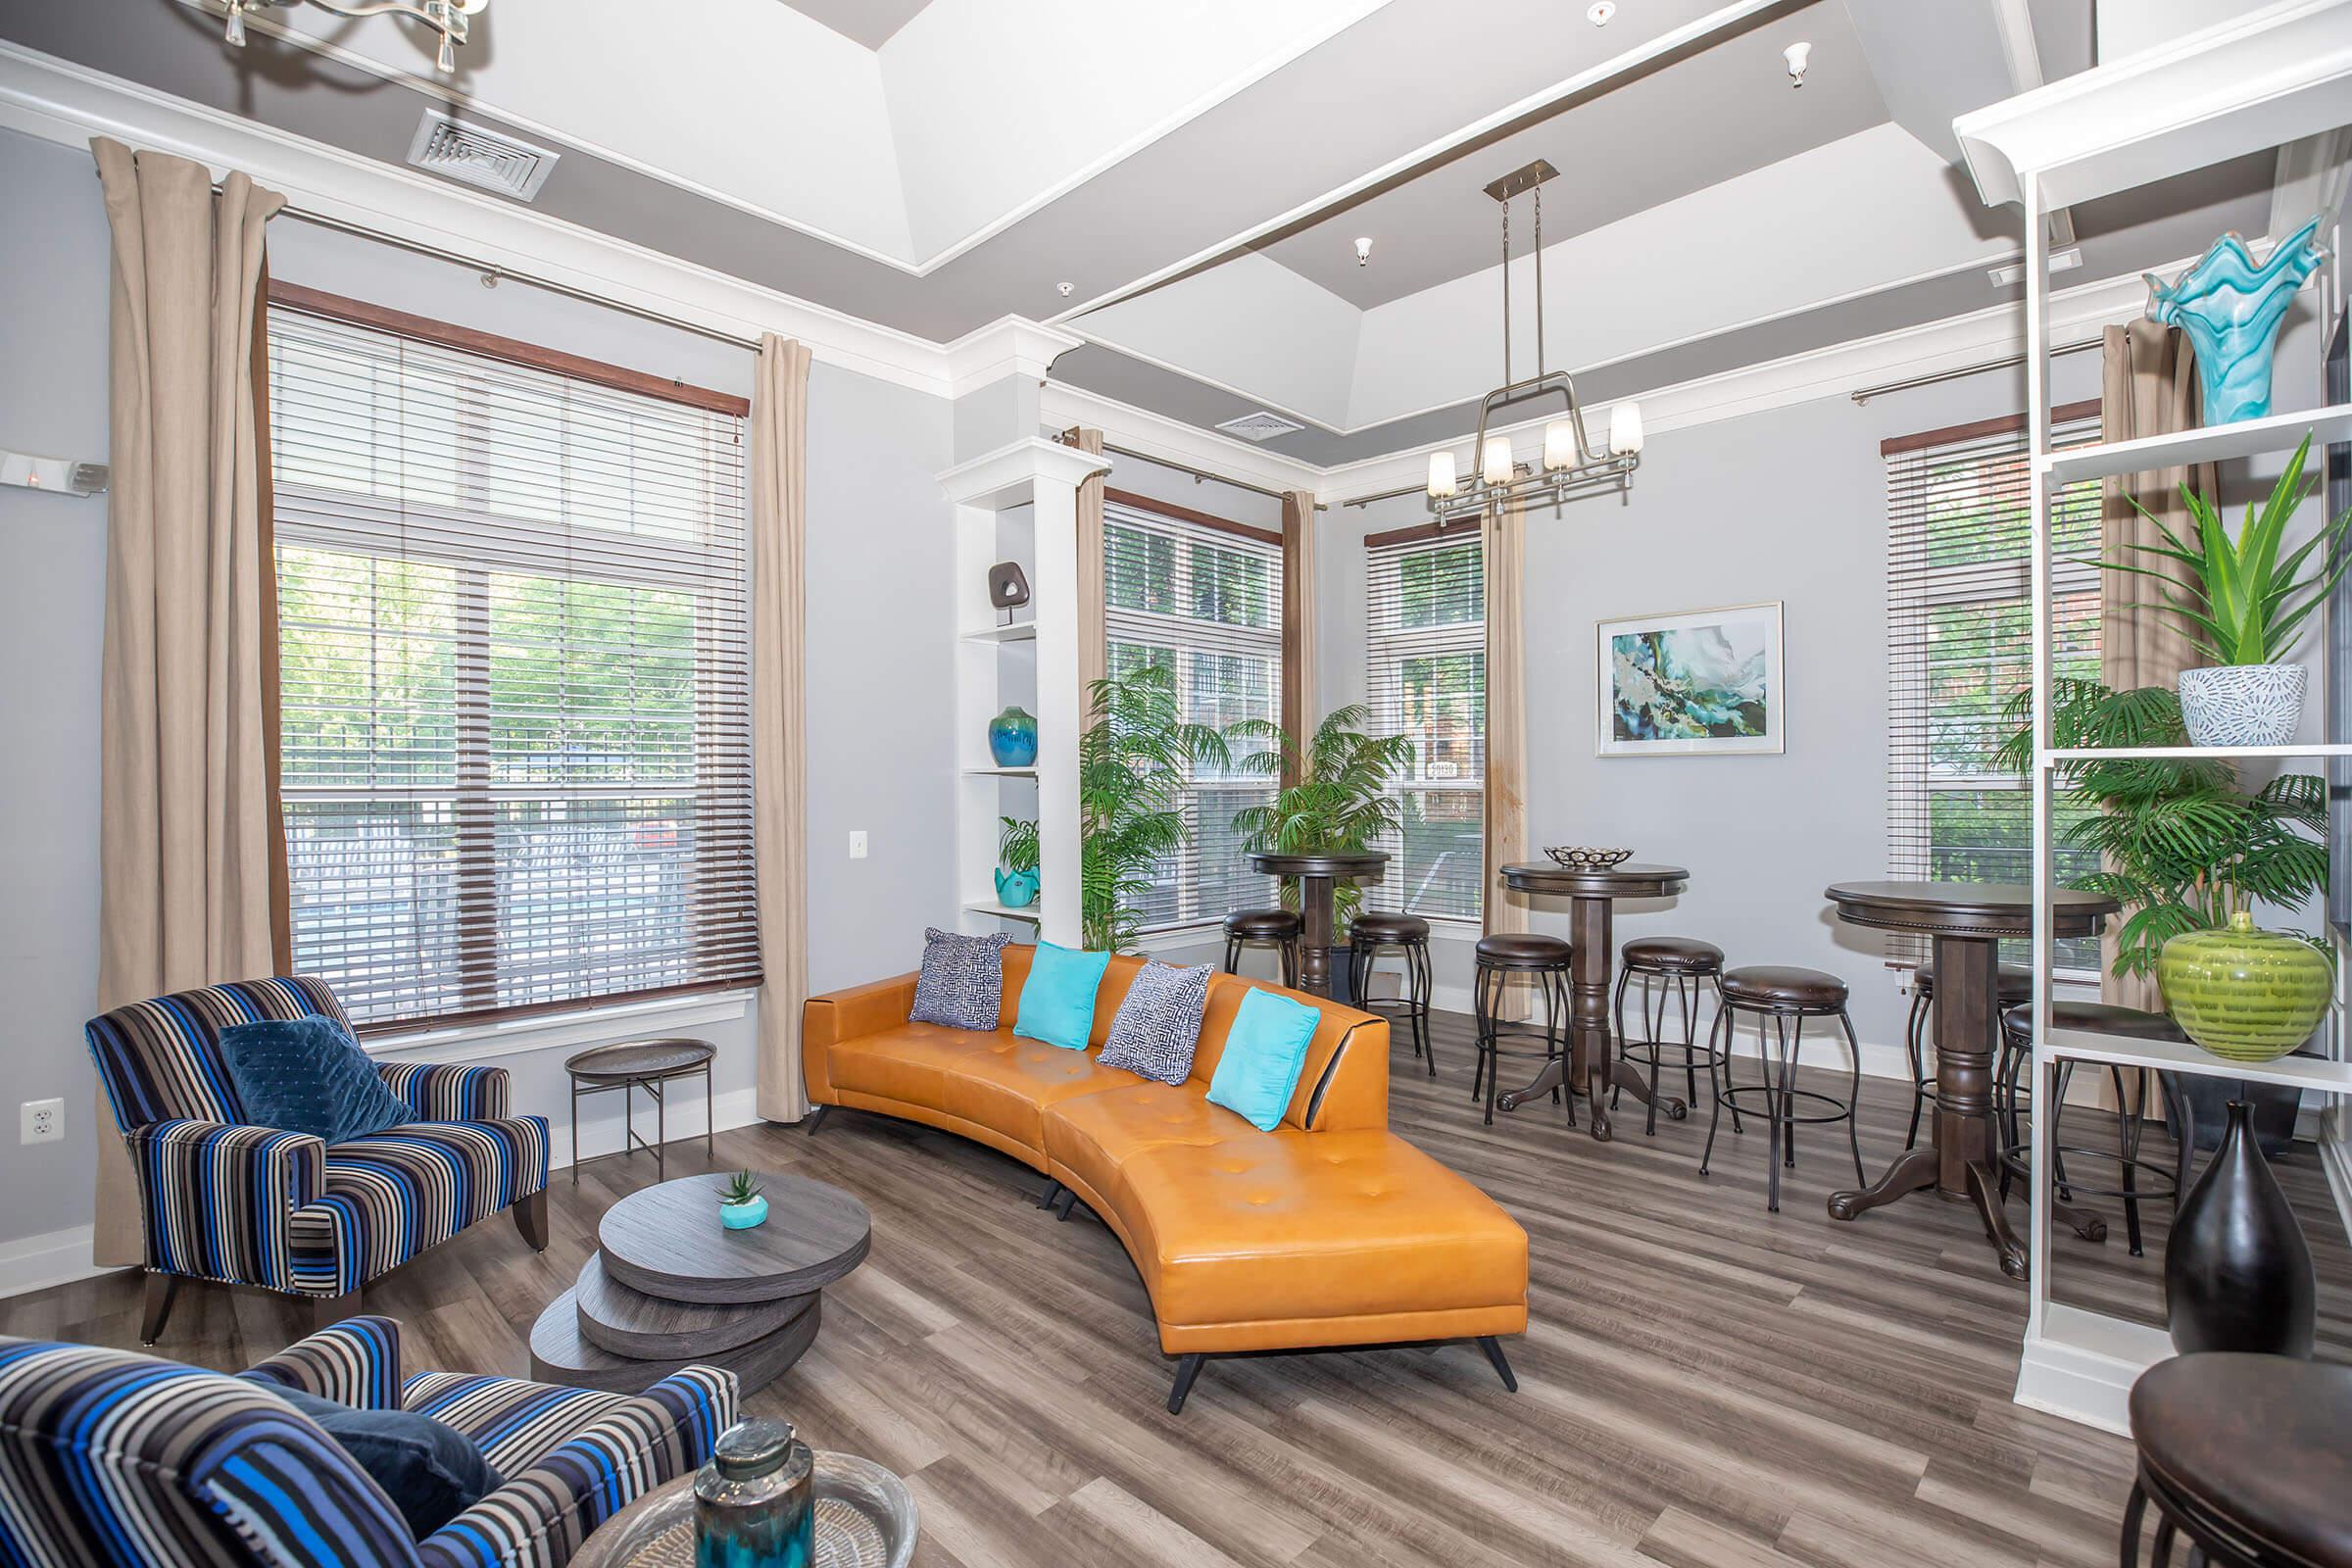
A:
(878, 642)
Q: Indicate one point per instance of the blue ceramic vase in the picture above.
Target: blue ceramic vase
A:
(1013, 738)
(2230, 308)
(1017, 890)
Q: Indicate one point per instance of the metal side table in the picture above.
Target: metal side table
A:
(648, 1064)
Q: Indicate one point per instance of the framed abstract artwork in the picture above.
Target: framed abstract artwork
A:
(1704, 683)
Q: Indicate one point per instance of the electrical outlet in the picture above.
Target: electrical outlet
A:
(42, 1122)
(857, 845)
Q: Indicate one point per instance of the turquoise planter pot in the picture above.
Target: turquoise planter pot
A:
(1013, 738)
(2230, 308)
(1017, 890)
(743, 1216)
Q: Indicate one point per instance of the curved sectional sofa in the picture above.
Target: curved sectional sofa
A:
(1328, 1232)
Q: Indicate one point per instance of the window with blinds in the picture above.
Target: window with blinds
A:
(1205, 601)
(513, 651)
(1425, 635)
(1959, 647)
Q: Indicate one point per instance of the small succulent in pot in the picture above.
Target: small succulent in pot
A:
(741, 1202)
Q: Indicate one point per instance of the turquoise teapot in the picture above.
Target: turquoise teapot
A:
(1017, 890)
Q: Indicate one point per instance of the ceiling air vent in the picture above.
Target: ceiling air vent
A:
(1260, 427)
(478, 156)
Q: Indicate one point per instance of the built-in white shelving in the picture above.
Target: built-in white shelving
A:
(1019, 631)
(1000, 772)
(995, 911)
(2226, 753)
(2272, 75)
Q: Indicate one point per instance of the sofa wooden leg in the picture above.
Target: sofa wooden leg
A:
(1502, 1368)
(816, 1120)
(530, 1218)
(1187, 1370)
(1064, 1203)
(1052, 1194)
(328, 1310)
(161, 1288)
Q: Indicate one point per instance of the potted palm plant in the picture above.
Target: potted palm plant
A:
(1332, 799)
(1017, 862)
(1133, 764)
(2245, 595)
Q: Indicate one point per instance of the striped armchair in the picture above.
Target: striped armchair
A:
(227, 1200)
(115, 1459)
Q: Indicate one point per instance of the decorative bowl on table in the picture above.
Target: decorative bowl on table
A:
(866, 1518)
(1581, 857)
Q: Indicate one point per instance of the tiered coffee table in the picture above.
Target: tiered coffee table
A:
(668, 1287)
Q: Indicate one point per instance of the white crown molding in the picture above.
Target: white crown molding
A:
(61, 102)
(1187, 446)
(1009, 345)
(1009, 475)
(1832, 371)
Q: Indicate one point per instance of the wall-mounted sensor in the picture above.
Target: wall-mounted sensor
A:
(1363, 252)
(1797, 55)
(61, 474)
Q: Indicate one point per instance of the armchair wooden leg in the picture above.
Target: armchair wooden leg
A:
(530, 1218)
(1494, 1357)
(161, 1288)
(1187, 1368)
(328, 1310)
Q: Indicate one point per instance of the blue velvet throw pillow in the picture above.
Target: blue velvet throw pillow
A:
(1057, 999)
(306, 1075)
(431, 1472)
(1158, 1025)
(962, 982)
(1265, 1051)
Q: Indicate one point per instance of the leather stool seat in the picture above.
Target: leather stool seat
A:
(1390, 928)
(2098, 1017)
(1522, 949)
(1673, 955)
(2251, 1454)
(2016, 983)
(1261, 925)
(1766, 985)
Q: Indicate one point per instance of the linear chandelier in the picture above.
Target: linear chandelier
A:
(1571, 468)
(450, 18)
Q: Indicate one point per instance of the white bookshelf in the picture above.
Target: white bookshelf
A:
(2272, 75)
(1018, 503)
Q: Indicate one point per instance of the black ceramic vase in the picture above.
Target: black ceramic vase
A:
(2237, 1272)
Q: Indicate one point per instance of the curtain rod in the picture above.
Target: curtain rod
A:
(1954, 374)
(1198, 475)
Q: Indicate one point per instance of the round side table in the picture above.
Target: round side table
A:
(632, 1064)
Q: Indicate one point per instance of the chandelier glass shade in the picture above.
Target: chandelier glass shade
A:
(1570, 468)
(449, 18)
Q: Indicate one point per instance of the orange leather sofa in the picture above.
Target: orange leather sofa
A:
(1330, 1231)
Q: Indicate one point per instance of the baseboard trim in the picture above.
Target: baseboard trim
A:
(53, 1257)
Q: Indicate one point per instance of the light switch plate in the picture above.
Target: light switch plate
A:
(41, 1121)
(857, 844)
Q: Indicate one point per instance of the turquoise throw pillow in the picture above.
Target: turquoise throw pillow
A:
(1057, 999)
(1264, 1052)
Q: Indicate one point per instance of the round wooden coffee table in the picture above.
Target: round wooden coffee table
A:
(669, 1287)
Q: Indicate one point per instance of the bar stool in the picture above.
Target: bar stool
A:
(1278, 926)
(1781, 997)
(2012, 1105)
(1677, 964)
(1544, 960)
(2015, 984)
(1408, 933)
(2248, 1456)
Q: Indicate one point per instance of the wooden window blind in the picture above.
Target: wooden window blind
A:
(1959, 647)
(1425, 635)
(515, 651)
(1202, 598)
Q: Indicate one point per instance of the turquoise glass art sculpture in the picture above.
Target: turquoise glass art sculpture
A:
(2230, 308)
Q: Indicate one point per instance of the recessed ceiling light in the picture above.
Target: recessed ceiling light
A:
(1363, 251)
(1599, 12)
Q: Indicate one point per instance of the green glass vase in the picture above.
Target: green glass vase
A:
(2243, 994)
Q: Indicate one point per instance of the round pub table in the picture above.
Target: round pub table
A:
(1592, 915)
(1316, 873)
(1967, 921)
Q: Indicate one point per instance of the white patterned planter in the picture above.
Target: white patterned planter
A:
(2243, 704)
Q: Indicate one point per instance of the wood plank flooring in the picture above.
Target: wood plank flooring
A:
(1702, 1384)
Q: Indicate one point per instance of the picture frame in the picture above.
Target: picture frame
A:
(1692, 683)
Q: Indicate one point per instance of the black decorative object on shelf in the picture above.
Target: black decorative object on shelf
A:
(1008, 588)
(2237, 1272)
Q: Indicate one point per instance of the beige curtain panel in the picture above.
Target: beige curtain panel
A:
(1504, 558)
(1093, 653)
(1298, 689)
(779, 716)
(185, 789)
(2149, 387)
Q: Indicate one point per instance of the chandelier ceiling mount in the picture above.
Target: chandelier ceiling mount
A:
(451, 18)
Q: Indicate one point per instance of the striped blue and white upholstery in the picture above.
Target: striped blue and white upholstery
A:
(117, 1459)
(253, 1205)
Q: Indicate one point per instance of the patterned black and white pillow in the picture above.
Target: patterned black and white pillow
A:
(962, 983)
(1158, 1025)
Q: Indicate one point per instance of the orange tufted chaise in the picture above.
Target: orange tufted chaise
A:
(1329, 1231)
